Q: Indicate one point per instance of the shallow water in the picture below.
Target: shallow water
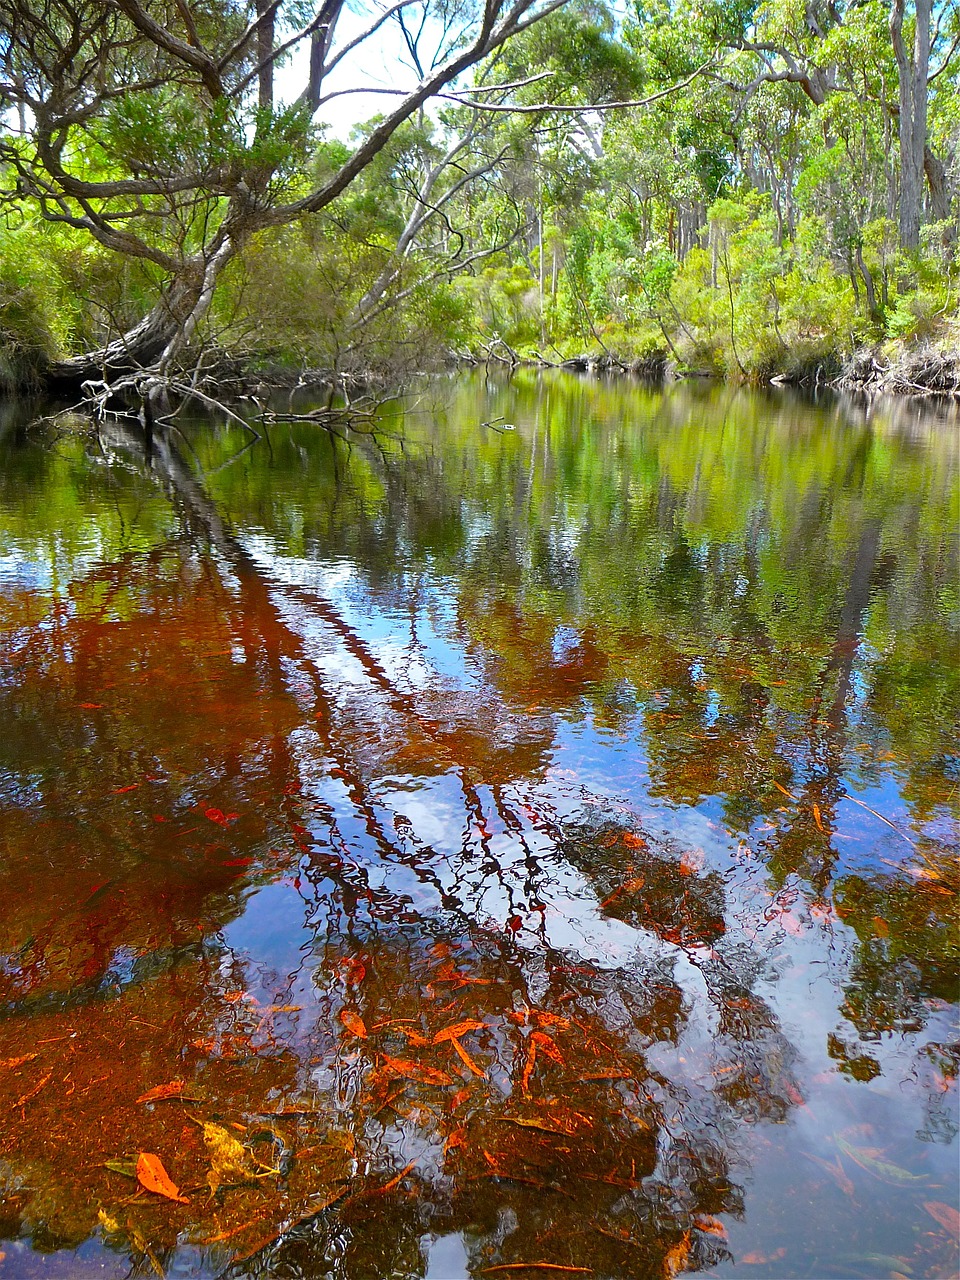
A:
(528, 843)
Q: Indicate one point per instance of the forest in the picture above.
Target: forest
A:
(758, 191)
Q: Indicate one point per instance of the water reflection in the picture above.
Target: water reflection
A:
(491, 836)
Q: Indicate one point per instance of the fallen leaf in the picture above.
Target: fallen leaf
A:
(354, 1024)
(538, 1266)
(32, 1093)
(788, 794)
(416, 1071)
(110, 1225)
(415, 1037)
(528, 1065)
(945, 1214)
(633, 841)
(153, 1177)
(230, 1161)
(175, 1089)
(466, 1059)
(676, 1260)
(881, 1169)
(127, 1167)
(457, 1030)
(816, 817)
(546, 1046)
(11, 1063)
(710, 1226)
(603, 1075)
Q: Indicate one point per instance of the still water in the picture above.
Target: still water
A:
(519, 843)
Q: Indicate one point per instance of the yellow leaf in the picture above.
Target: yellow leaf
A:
(230, 1161)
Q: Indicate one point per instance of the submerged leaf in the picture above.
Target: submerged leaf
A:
(458, 1030)
(945, 1214)
(153, 1177)
(230, 1161)
(881, 1169)
(175, 1089)
(354, 1024)
(416, 1071)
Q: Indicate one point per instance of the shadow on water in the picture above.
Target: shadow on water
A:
(508, 854)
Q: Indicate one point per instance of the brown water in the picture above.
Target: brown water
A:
(522, 853)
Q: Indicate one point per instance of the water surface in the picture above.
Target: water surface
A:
(524, 850)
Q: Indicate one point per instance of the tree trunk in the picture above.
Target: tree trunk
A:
(166, 329)
(941, 200)
(912, 71)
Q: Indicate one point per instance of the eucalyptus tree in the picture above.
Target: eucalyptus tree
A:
(156, 128)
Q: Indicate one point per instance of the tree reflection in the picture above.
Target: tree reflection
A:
(479, 1024)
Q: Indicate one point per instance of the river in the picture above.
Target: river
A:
(517, 840)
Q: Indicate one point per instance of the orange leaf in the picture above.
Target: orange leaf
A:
(153, 1176)
(816, 817)
(676, 1259)
(353, 1023)
(416, 1071)
(172, 1090)
(945, 1214)
(528, 1065)
(633, 842)
(710, 1225)
(414, 1037)
(457, 1030)
(788, 794)
(466, 1059)
(546, 1045)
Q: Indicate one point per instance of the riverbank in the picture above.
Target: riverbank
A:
(917, 370)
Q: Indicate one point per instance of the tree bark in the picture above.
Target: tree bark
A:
(912, 70)
(159, 336)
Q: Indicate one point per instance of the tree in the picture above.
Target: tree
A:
(155, 129)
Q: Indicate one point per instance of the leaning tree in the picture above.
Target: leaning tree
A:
(157, 128)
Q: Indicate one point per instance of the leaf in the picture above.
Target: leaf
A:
(457, 1030)
(415, 1037)
(127, 1167)
(546, 1046)
(710, 1225)
(676, 1260)
(32, 1093)
(817, 818)
(881, 1169)
(566, 1128)
(230, 1161)
(788, 794)
(110, 1225)
(175, 1089)
(528, 1065)
(466, 1059)
(535, 1266)
(354, 1024)
(11, 1063)
(603, 1075)
(757, 1259)
(633, 841)
(153, 1177)
(416, 1071)
(945, 1214)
